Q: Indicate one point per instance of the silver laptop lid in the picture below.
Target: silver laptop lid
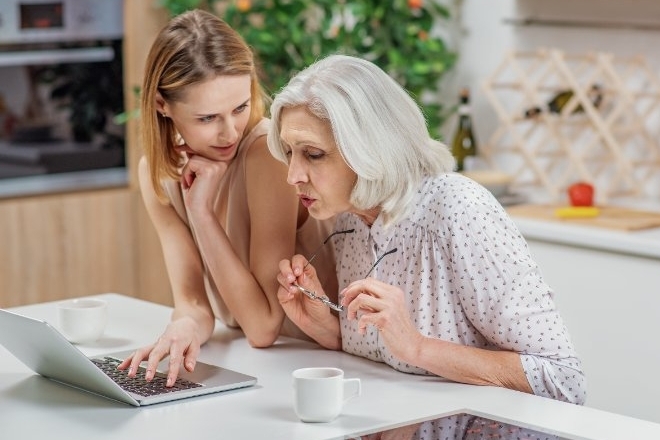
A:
(47, 352)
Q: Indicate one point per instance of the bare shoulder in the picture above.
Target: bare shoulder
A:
(269, 194)
(144, 180)
(144, 175)
(143, 169)
(259, 161)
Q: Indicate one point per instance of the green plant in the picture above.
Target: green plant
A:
(397, 35)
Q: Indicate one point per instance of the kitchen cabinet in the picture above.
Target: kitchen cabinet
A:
(79, 243)
(87, 240)
(607, 286)
(66, 245)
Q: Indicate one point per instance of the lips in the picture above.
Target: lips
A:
(226, 147)
(306, 201)
(225, 152)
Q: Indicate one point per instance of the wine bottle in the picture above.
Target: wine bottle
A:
(559, 101)
(464, 144)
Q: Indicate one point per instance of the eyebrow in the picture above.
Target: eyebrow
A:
(202, 115)
(247, 101)
(307, 141)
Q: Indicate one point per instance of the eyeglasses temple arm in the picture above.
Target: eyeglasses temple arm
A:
(316, 252)
(391, 251)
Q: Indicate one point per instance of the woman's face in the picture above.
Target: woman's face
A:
(212, 115)
(322, 178)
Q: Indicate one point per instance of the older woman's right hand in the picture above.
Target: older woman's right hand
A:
(303, 311)
(179, 341)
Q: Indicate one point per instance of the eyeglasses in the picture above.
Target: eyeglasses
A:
(324, 299)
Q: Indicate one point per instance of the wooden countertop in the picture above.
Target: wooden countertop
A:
(541, 225)
(63, 182)
(611, 217)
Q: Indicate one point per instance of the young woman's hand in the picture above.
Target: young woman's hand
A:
(179, 341)
(200, 179)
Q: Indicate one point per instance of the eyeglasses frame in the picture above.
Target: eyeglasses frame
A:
(324, 299)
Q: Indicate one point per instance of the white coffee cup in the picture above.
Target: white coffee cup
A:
(82, 320)
(320, 393)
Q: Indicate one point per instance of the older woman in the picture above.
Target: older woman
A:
(434, 277)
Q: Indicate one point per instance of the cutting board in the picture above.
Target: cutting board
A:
(623, 219)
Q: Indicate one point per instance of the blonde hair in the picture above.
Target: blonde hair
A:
(193, 47)
(379, 130)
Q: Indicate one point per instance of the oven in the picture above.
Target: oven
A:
(61, 85)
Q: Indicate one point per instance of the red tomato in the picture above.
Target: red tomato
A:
(581, 194)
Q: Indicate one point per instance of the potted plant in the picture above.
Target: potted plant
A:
(288, 35)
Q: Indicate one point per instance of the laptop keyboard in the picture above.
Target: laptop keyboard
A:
(138, 384)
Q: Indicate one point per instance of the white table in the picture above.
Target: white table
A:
(32, 407)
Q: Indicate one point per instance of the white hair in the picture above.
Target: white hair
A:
(379, 130)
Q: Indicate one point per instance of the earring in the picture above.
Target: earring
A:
(164, 115)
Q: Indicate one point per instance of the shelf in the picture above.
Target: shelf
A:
(615, 145)
(586, 24)
(56, 56)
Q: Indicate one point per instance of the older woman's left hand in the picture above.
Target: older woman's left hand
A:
(382, 305)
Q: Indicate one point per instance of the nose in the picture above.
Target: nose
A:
(227, 133)
(296, 174)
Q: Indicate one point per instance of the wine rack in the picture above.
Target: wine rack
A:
(612, 142)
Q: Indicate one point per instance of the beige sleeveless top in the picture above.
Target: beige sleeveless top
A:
(232, 191)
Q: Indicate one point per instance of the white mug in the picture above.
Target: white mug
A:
(82, 320)
(320, 393)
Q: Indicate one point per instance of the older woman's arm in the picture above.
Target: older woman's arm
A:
(504, 296)
(538, 359)
(462, 363)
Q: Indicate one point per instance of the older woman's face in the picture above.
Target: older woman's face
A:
(322, 178)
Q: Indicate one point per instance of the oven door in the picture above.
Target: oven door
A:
(45, 21)
(61, 83)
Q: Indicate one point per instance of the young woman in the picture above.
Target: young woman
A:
(435, 277)
(217, 198)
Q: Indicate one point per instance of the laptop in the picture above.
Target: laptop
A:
(42, 348)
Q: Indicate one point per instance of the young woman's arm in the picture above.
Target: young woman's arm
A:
(192, 320)
(250, 292)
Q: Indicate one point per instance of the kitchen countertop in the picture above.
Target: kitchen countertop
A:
(63, 182)
(642, 243)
